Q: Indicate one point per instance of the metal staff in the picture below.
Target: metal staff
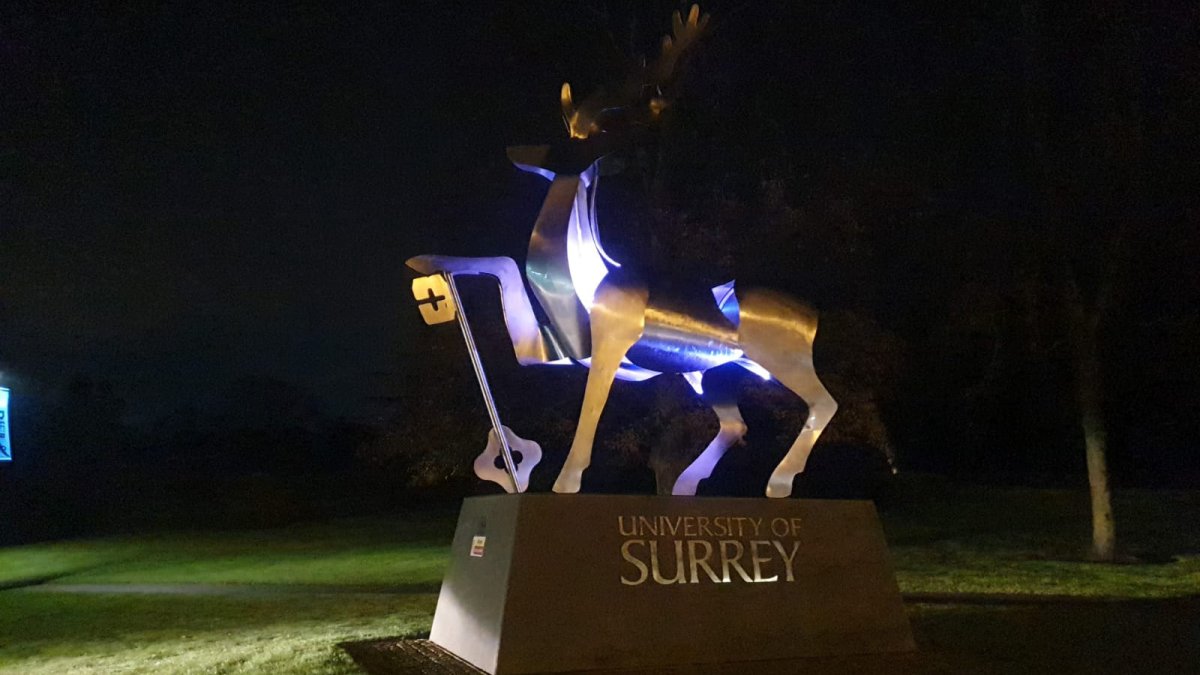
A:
(477, 364)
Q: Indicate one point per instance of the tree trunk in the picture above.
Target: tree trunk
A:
(1085, 343)
(666, 472)
(1109, 173)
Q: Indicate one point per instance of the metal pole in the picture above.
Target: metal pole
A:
(505, 451)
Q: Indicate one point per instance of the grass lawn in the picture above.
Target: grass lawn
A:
(43, 632)
(945, 539)
(405, 550)
(56, 633)
(948, 538)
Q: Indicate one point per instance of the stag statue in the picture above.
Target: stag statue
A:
(603, 315)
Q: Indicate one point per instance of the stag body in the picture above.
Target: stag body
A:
(624, 326)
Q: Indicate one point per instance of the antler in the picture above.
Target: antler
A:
(672, 49)
(576, 126)
(585, 120)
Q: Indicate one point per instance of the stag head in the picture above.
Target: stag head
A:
(643, 96)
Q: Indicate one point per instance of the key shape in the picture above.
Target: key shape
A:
(437, 298)
(490, 464)
(434, 299)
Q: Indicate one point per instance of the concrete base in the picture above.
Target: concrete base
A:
(556, 583)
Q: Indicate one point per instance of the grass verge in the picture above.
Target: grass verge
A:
(949, 538)
(407, 550)
(55, 633)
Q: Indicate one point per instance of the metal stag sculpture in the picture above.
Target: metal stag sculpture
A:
(606, 317)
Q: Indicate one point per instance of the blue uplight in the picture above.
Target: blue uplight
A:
(5, 443)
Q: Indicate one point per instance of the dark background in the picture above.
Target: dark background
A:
(205, 316)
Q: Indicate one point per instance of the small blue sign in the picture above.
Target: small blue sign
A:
(5, 443)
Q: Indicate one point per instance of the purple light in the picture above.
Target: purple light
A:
(583, 249)
(754, 368)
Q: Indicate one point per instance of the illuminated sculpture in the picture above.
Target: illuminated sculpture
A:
(606, 317)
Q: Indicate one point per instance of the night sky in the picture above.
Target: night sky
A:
(195, 195)
(203, 194)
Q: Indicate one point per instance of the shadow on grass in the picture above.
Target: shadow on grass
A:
(32, 581)
(25, 582)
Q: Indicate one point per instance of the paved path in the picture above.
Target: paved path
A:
(276, 590)
(1004, 634)
(1084, 638)
(1032, 599)
(421, 657)
(229, 590)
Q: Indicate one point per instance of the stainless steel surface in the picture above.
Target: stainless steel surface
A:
(727, 300)
(684, 332)
(601, 316)
(732, 430)
(484, 389)
(617, 321)
(529, 343)
(777, 332)
(525, 455)
(549, 272)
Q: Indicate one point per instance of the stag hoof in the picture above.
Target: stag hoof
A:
(685, 487)
(568, 481)
(780, 485)
(687, 483)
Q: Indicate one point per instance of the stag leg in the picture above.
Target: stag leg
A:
(618, 317)
(719, 394)
(777, 332)
(733, 428)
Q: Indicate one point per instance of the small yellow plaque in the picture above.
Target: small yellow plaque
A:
(434, 299)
